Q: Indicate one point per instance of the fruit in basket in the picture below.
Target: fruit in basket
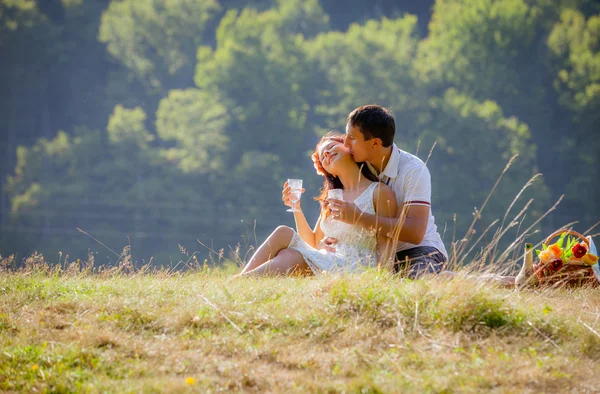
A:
(546, 256)
(579, 250)
(556, 264)
(590, 259)
(556, 250)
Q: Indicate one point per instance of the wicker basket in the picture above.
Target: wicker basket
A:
(574, 273)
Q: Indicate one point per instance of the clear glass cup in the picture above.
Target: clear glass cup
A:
(335, 194)
(295, 186)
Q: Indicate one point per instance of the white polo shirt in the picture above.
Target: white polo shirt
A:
(409, 177)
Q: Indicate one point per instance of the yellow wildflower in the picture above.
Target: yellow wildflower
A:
(190, 380)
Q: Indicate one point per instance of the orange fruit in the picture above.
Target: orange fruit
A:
(590, 259)
(556, 250)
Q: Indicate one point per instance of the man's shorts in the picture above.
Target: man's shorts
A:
(414, 262)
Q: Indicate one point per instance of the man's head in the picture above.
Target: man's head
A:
(368, 129)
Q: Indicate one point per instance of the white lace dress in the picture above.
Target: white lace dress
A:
(356, 247)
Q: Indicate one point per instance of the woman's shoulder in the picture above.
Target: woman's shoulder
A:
(384, 200)
(381, 187)
(383, 192)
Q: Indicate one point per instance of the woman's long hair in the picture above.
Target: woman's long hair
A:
(332, 181)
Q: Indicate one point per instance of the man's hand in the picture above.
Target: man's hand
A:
(328, 244)
(346, 212)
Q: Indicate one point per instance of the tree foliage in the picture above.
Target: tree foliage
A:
(156, 39)
(574, 42)
(177, 121)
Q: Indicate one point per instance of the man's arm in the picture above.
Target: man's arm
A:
(409, 227)
(410, 224)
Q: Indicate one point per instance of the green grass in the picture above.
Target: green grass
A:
(150, 332)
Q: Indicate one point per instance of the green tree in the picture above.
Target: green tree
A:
(575, 45)
(375, 62)
(369, 63)
(260, 73)
(17, 14)
(195, 121)
(575, 42)
(51, 82)
(127, 127)
(177, 129)
(154, 39)
(117, 189)
(497, 50)
(258, 70)
(468, 131)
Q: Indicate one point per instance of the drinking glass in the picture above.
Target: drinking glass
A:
(295, 193)
(335, 194)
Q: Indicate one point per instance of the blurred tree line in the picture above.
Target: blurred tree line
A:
(159, 123)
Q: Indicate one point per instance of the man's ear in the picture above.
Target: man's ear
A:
(377, 143)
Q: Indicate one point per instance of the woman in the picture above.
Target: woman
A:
(287, 251)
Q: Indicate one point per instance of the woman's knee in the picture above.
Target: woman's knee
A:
(294, 260)
(283, 230)
(282, 234)
(289, 254)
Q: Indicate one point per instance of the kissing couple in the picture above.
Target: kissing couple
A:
(383, 220)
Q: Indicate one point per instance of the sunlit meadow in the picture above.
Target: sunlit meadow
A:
(79, 328)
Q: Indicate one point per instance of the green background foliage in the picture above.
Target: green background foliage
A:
(158, 124)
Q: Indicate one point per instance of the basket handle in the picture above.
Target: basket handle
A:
(569, 232)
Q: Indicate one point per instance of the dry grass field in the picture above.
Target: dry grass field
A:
(80, 330)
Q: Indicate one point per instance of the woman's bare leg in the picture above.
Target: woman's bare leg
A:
(277, 241)
(287, 262)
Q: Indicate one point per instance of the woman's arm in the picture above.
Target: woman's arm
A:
(304, 231)
(385, 204)
(310, 236)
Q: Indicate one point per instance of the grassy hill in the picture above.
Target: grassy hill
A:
(112, 331)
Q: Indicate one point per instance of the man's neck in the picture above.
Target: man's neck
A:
(381, 158)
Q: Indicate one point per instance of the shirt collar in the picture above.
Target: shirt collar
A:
(391, 169)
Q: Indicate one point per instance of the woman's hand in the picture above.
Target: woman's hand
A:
(344, 211)
(286, 196)
(328, 243)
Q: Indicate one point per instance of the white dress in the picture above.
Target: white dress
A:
(356, 247)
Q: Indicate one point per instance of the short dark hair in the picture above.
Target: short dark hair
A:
(374, 121)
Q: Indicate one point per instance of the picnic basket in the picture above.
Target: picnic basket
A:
(565, 269)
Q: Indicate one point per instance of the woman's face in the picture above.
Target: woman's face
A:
(333, 154)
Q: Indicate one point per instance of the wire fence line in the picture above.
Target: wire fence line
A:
(166, 224)
(112, 233)
(247, 234)
(553, 221)
(52, 213)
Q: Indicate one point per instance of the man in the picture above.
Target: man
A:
(370, 131)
